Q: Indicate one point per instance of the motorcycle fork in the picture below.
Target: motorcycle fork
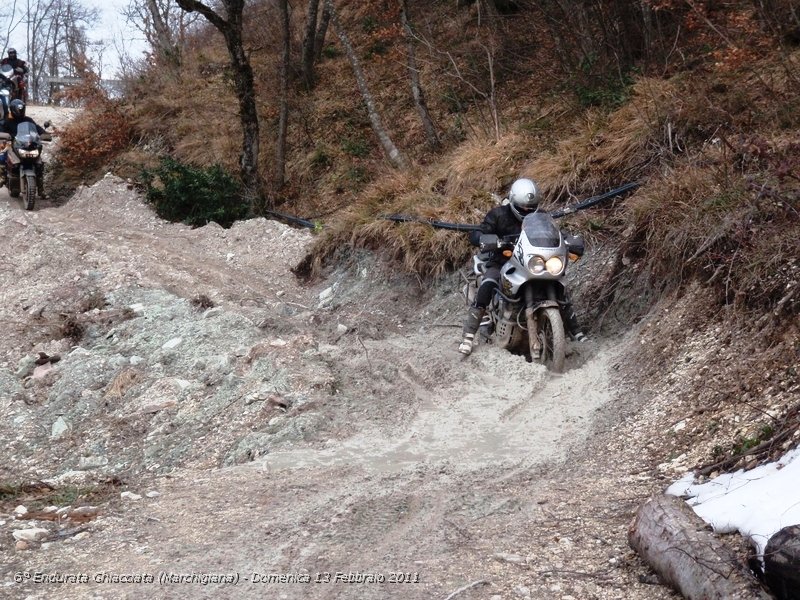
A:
(532, 318)
(534, 343)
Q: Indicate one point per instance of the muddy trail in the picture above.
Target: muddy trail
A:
(238, 434)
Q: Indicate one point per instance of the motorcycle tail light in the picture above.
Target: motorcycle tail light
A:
(554, 265)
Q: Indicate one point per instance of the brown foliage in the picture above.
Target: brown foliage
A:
(100, 133)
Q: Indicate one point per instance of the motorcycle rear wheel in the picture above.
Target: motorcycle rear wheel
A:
(29, 191)
(550, 332)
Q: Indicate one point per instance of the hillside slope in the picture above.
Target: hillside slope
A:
(267, 427)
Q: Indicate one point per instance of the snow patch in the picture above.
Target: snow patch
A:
(757, 503)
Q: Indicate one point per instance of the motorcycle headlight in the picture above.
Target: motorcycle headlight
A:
(536, 265)
(28, 153)
(554, 265)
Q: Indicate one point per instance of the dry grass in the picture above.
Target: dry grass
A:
(125, 380)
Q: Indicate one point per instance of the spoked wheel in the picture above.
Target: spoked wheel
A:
(550, 335)
(29, 191)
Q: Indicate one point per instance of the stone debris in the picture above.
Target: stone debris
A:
(35, 534)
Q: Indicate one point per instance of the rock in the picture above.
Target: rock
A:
(59, 428)
(522, 591)
(20, 510)
(341, 329)
(22, 545)
(130, 496)
(25, 367)
(135, 360)
(509, 558)
(153, 494)
(212, 312)
(81, 536)
(92, 462)
(173, 343)
(84, 511)
(34, 534)
(278, 343)
(325, 295)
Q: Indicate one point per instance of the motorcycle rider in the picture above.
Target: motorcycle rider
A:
(506, 220)
(9, 125)
(20, 67)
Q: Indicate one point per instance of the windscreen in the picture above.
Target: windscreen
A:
(26, 133)
(541, 230)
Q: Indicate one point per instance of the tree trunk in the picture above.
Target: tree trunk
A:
(782, 563)
(231, 29)
(283, 115)
(392, 153)
(677, 544)
(322, 30)
(164, 39)
(308, 55)
(416, 88)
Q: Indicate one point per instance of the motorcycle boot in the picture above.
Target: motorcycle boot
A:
(471, 324)
(573, 327)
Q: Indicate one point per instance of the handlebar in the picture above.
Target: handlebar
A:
(490, 241)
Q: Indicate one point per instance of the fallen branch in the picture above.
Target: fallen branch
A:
(467, 588)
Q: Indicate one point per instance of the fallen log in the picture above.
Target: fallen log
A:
(782, 563)
(679, 547)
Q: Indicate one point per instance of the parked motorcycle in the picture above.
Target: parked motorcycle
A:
(525, 313)
(24, 166)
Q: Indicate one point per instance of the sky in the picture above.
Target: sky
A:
(113, 29)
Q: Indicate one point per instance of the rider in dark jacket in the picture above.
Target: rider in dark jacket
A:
(10, 125)
(506, 220)
(20, 68)
(16, 63)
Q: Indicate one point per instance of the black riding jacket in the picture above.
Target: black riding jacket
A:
(16, 63)
(502, 222)
(9, 126)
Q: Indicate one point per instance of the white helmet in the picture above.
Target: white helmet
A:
(524, 197)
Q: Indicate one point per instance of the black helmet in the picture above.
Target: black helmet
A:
(12, 53)
(17, 108)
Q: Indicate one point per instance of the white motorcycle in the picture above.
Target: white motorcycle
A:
(525, 313)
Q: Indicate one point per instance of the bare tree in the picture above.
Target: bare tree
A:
(307, 56)
(231, 30)
(322, 30)
(163, 25)
(283, 77)
(392, 153)
(55, 39)
(416, 87)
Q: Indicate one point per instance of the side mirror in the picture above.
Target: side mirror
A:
(46, 137)
(489, 241)
(47, 124)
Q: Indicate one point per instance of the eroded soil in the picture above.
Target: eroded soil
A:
(276, 428)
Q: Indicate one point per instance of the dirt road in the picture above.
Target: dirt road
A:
(319, 441)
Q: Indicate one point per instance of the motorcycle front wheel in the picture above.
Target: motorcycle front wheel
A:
(550, 333)
(29, 191)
